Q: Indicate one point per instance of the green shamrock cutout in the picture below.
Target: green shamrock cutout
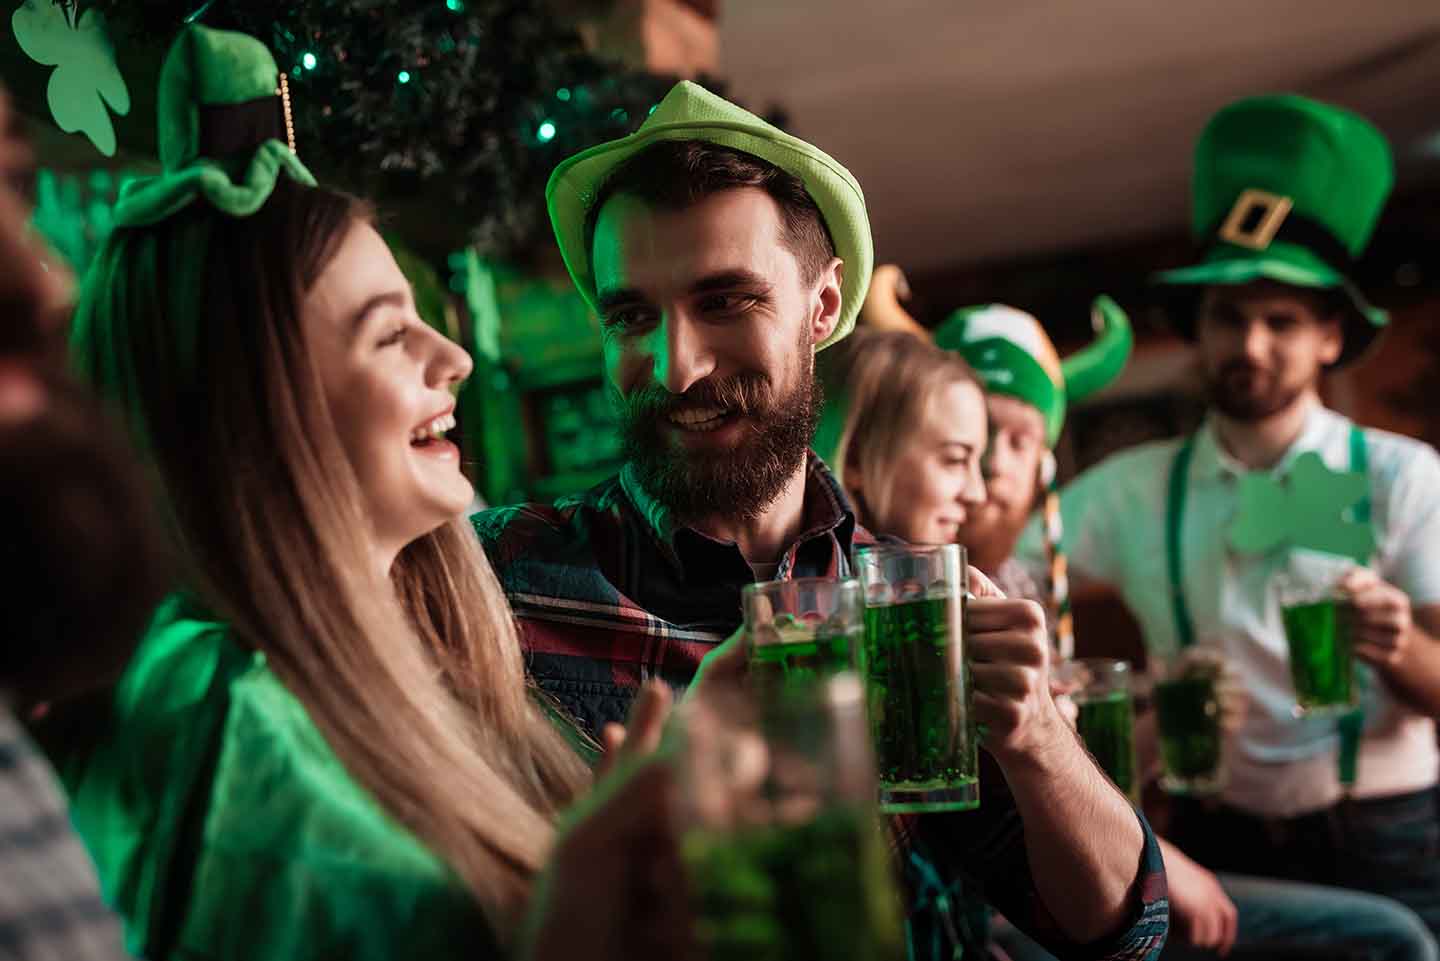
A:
(86, 78)
(1306, 508)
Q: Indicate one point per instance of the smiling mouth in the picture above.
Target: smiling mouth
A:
(433, 432)
(700, 420)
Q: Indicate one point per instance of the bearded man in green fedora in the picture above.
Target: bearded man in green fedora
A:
(720, 254)
(1199, 533)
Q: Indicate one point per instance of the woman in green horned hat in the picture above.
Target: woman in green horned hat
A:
(1195, 531)
(318, 751)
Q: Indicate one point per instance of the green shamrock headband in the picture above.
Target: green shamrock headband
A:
(219, 91)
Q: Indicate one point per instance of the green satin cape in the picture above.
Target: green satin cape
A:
(223, 825)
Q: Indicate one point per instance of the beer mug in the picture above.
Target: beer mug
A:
(1319, 630)
(1103, 693)
(916, 680)
(783, 848)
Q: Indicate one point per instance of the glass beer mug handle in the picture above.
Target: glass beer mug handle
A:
(982, 731)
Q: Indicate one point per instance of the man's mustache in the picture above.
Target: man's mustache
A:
(1237, 368)
(742, 394)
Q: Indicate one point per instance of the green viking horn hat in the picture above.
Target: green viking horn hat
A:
(220, 92)
(1011, 353)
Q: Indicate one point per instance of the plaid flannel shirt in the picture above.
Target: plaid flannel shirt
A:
(610, 591)
(50, 905)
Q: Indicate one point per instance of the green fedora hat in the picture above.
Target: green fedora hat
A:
(690, 112)
(219, 92)
(1287, 189)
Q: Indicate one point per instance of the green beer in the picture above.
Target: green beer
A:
(802, 657)
(821, 889)
(1107, 726)
(800, 631)
(1320, 640)
(924, 742)
(1187, 710)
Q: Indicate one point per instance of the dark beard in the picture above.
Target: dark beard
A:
(991, 533)
(1247, 404)
(739, 482)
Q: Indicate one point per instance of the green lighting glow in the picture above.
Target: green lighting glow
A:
(456, 5)
(620, 115)
(309, 61)
(546, 133)
(563, 94)
(404, 76)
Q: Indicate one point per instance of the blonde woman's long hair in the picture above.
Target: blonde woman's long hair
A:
(882, 386)
(192, 328)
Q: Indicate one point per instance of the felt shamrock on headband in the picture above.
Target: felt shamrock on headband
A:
(86, 78)
(1306, 508)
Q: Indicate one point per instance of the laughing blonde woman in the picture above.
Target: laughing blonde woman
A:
(907, 433)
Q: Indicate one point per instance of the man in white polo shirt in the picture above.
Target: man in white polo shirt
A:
(1287, 192)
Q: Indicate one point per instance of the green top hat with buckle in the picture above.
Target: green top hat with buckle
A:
(1288, 189)
(690, 112)
(220, 94)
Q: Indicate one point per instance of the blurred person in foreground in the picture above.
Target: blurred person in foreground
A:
(83, 567)
(1286, 194)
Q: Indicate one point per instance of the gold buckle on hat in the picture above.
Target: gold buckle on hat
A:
(1255, 219)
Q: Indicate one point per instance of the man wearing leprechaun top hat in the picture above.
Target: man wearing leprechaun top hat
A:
(720, 253)
(1197, 532)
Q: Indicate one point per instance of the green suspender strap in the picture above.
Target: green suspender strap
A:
(1360, 464)
(1351, 724)
(1174, 517)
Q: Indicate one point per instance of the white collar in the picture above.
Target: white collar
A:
(1211, 460)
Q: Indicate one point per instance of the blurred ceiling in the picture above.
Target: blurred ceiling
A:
(990, 129)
